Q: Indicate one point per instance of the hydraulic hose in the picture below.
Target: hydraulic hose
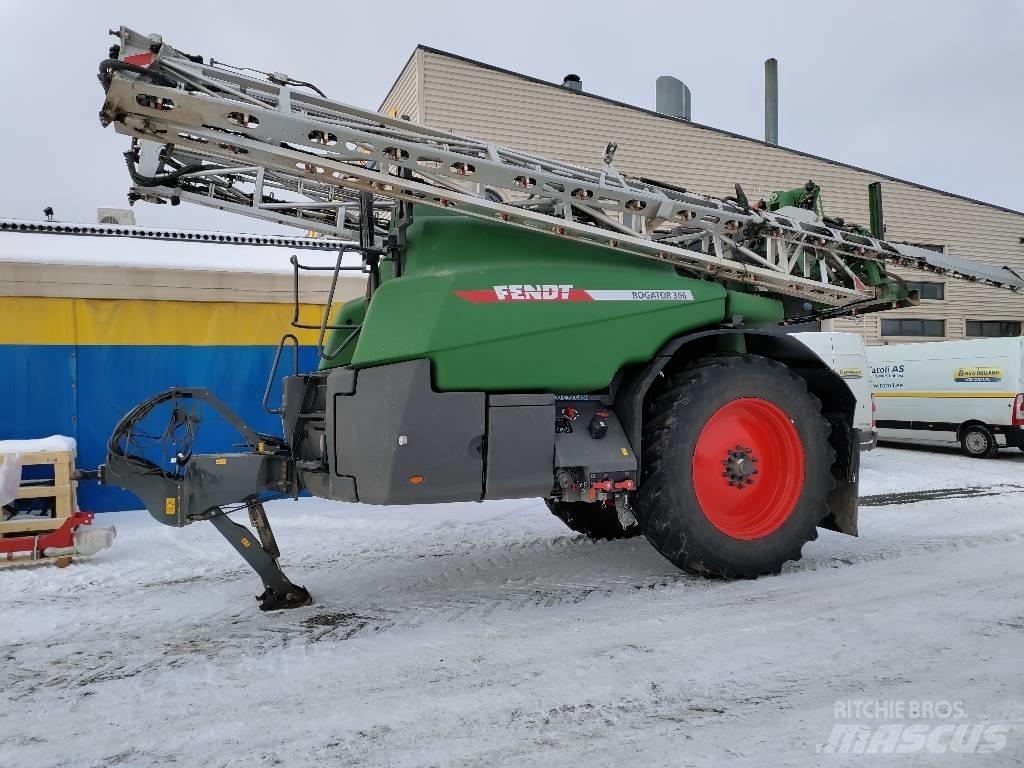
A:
(167, 179)
(108, 66)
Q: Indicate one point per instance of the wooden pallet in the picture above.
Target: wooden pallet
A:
(62, 491)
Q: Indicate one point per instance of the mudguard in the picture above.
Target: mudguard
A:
(838, 402)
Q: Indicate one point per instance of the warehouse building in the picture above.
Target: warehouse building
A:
(91, 325)
(563, 122)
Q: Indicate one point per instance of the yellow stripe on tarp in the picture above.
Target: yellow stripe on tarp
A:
(117, 322)
(902, 393)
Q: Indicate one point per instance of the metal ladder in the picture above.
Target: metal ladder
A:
(208, 134)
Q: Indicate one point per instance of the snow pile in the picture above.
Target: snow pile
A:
(90, 539)
(38, 445)
(12, 452)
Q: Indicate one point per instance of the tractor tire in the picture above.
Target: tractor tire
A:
(979, 442)
(737, 467)
(595, 521)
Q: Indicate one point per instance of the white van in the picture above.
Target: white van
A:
(845, 354)
(944, 392)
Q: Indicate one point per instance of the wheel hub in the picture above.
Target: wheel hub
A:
(740, 467)
(976, 442)
(752, 446)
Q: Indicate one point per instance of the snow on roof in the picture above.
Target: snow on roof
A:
(44, 242)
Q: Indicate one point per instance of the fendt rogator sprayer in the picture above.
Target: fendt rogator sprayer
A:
(608, 343)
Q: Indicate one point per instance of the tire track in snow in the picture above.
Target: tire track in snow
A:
(511, 582)
(904, 549)
(937, 494)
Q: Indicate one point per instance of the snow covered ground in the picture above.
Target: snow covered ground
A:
(488, 634)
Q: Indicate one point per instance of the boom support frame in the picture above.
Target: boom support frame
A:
(211, 135)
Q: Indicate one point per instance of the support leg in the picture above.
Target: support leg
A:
(280, 592)
(260, 523)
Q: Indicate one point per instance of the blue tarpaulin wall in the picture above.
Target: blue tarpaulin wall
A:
(75, 366)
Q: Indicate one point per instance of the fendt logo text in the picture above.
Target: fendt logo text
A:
(532, 292)
(562, 292)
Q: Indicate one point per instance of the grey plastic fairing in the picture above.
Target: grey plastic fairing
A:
(293, 389)
(505, 399)
(387, 427)
(303, 419)
(325, 485)
(611, 454)
(302, 398)
(342, 381)
(520, 446)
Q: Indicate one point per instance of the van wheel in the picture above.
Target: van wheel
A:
(978, 442)
(737, 467)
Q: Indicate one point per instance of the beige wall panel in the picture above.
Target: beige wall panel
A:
(403, 98)
(535, 117)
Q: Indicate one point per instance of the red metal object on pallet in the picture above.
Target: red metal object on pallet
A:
(36, 543)
(26, 537)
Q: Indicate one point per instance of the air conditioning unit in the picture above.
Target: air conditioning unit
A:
(120, 216)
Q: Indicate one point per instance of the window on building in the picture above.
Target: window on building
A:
(925, 290)
(976, 328)
(910, 327)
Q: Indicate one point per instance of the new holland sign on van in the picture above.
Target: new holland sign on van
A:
(978, 375)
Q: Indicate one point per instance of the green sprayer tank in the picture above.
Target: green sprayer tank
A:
(609, 344)
(508, 310)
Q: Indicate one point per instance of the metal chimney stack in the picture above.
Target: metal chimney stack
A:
(672, 97)
(771, 101)
(573, 83)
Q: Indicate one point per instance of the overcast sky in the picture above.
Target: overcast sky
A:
(927, 91)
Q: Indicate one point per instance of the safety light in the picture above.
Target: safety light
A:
(1018, 411)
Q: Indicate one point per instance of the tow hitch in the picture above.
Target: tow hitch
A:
(208, 486)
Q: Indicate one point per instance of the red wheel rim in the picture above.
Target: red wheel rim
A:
(748, 468)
